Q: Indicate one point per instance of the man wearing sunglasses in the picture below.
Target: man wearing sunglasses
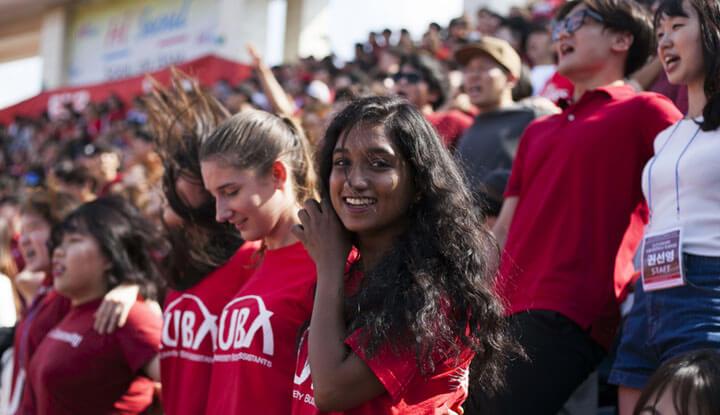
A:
(567, 224)
(423, 81)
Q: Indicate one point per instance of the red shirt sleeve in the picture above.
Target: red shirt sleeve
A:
(659, 114)
(394, 370)
(514, 184)
(139, 339)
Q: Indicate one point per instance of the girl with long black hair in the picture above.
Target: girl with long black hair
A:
(395, 332)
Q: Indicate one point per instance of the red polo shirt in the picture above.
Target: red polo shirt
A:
(577, 178)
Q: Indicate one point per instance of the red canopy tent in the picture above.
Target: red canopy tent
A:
(207, 69)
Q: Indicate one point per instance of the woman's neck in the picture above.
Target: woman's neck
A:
(696, 98)
(281, 235)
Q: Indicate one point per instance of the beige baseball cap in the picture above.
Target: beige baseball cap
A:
(498, 49)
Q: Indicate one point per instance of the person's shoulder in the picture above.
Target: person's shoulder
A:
(143, 313)
(454, 117)
(541, 118)
(457, 116)
(651, 101)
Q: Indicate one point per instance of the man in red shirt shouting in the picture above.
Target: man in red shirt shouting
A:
(572, 194)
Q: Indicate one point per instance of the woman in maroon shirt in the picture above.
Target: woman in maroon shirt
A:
(76, 370)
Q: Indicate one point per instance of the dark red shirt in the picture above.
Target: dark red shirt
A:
(407, 390)
(450, 125)
(577, 178)
(78, 371)
(190, 332)
(46, 311)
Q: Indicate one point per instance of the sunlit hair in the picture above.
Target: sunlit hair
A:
(708, 12)
(693, 379)
(437, 283)
(181, 117)
(255, 139)
(51, 206)
(128, 241)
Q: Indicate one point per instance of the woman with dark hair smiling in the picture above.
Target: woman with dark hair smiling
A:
(677, 300)
(396, 330)
(76, 370)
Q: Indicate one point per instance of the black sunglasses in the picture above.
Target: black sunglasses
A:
(411, 78)
(573, 23)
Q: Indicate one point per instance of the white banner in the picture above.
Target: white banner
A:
(123, 38)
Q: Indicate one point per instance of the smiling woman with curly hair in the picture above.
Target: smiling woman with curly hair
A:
(396, 331)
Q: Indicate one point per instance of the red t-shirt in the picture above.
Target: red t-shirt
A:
(255, 353)
(45, 312)
(77, 371)
(450, 125)
(407, 390)
(577, 178)
(190, 329)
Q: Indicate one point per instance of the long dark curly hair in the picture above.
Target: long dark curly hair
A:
(436, 286)
(181, 117)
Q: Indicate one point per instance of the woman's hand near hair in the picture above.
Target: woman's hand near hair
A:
(272, 89)
(341, 380)
(323, 235)
(114, 310)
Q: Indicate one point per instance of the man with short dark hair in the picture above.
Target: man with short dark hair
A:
(567, 223)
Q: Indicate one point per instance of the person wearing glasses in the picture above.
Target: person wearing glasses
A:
(491, 68)
(424, 83)
(570, 222)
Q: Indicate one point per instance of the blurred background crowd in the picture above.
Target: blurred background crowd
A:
(108, 148)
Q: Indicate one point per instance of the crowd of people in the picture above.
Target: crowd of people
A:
(512, 215)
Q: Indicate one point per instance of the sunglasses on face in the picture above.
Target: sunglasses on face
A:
(573, 23)
(411, 78)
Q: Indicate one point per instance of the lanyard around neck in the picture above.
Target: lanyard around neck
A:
(677, 170)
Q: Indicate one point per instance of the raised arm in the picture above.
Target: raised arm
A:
(274, 92)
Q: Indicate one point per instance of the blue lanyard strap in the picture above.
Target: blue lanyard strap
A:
(677, 173)
(677, 170)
